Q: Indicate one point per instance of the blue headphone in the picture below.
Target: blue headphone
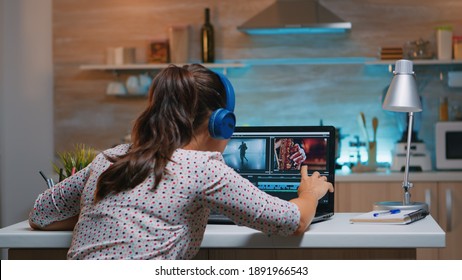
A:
(223, 121)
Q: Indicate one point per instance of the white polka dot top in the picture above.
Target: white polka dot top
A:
(167, 222)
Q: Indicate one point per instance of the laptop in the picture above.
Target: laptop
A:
(262, 155)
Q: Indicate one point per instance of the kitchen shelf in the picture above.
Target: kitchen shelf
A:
(226, 64)
(306, 61)
(270, 62)
(155, 66)
(417, 62)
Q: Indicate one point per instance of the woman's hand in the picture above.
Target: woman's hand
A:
(315, 184)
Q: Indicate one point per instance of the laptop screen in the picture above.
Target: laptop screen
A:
(271, 158)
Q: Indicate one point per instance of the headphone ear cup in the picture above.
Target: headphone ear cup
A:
(221, 124)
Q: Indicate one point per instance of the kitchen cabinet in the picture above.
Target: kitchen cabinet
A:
(444, 200)
(450, 219)
(360, 196)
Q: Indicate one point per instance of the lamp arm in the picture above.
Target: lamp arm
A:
(406, 184)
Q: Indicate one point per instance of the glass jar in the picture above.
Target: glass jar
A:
(419, 49)
(457, 42)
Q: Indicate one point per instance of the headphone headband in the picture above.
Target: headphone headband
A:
(223, 121)
(230, 100)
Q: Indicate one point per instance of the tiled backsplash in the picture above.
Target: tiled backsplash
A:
(272, 94)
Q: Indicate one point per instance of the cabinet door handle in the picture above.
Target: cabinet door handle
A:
(448, 210)
(428, 199)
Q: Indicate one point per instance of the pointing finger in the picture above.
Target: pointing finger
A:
(304, 171)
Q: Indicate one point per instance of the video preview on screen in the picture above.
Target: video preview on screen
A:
(290, 153)
(246, 154)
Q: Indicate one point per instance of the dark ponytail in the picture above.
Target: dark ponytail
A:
(180, 101)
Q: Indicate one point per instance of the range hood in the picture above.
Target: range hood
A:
(295, 17)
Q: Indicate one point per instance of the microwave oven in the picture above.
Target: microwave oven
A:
(448, 145)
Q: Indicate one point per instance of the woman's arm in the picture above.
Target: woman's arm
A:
(307, 206)
(237, 198)
(55, 208)
(67, 224)
(312, 188)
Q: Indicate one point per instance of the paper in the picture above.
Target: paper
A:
(401, 218)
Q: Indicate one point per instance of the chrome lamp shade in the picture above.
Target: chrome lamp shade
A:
(402, 95)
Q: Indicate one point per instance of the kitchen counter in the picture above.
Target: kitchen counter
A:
(337, 233)
(385, 175)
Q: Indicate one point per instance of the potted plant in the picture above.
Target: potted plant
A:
(73, 161)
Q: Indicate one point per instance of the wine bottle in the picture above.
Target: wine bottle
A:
(207, 39)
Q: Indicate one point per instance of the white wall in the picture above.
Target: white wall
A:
(26, 104)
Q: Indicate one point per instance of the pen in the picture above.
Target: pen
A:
(392, 211)
(49, 181)
(43, 175)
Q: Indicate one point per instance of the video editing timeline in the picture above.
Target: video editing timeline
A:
(272, 161)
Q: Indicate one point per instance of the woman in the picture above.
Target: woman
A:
(151, 199)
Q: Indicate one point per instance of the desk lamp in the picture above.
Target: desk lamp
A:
(402, 96)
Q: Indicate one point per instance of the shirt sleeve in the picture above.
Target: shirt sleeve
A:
(60, 202)
(230, 194)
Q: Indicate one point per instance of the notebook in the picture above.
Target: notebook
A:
(262, 155)
(392, 217)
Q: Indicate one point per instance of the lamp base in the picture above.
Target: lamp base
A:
(389, 205)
